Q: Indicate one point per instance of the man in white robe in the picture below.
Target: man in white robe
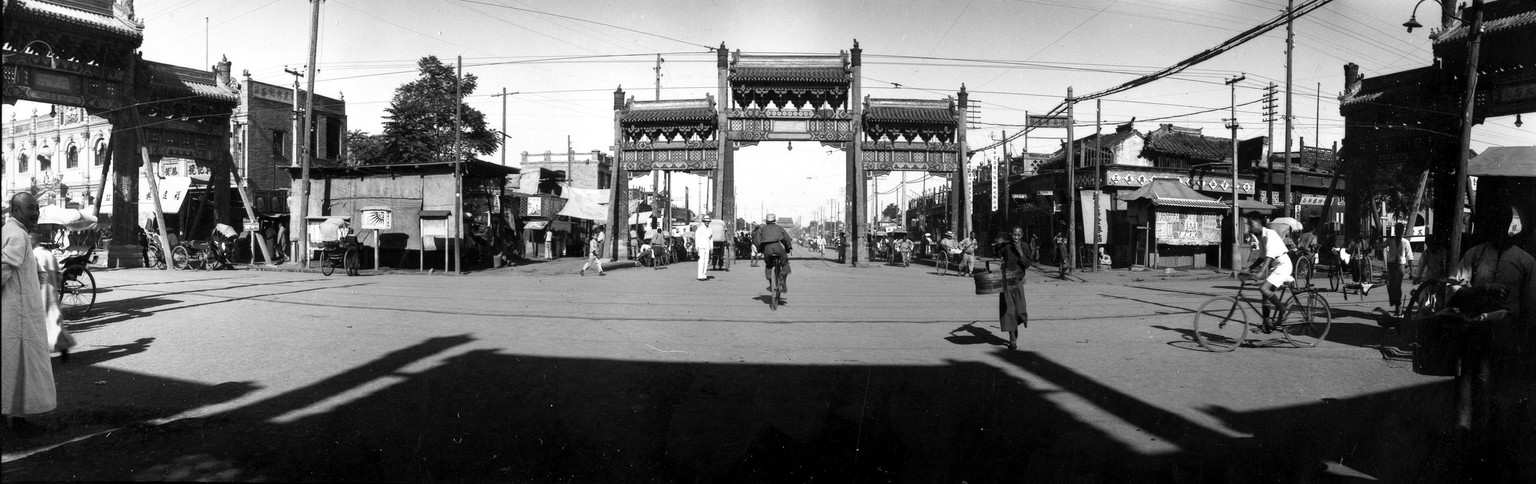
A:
(26, 373)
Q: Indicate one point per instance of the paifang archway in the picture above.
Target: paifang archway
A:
(808, 98)
(83, 54)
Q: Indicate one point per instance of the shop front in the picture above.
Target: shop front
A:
(1175, 226)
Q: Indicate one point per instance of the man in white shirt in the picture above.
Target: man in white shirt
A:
(703, 240)
(1399, 253)
(1272, 264)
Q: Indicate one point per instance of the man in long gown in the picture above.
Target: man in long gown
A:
(26, 372)
(1013, 310)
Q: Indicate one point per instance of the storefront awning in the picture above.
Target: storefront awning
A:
(1170, 192)
(173, 192)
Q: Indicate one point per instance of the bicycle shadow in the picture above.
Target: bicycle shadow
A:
(765, 299)
(1190, 342)
(975, 336)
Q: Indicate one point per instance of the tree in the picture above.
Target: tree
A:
(891, 212)
(420, 120)
(364, 148)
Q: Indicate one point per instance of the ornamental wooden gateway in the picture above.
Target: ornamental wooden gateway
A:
(807, 98)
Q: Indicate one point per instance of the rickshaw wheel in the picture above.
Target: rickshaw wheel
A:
(327, 265)
(351, 262)
(180, 259)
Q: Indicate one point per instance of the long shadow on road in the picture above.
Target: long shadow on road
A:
(483, 415)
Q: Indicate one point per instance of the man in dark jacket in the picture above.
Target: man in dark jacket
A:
(774, 243)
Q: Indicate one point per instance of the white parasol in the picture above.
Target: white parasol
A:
(1293, 223)
(71, 219)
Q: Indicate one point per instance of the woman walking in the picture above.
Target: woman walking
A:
(1012, 308)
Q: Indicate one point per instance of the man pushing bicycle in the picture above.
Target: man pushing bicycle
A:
(774, 243)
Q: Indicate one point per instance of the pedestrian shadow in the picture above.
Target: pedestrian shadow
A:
(116, 312)
(975, 335)
(99, 354)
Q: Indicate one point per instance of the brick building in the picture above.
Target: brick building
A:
(593, 169)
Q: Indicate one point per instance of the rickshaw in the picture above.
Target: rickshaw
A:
(74, 246)
(338, 248)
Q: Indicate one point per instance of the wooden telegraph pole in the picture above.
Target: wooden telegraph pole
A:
(1071, 261)
(303, 137)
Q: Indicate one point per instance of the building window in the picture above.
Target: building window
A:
(332, 138)
(21, 163)
(277, 144)
(72, 157)
(43, 163)
(101, 153)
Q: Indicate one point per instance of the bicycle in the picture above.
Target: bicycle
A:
(1221, 324)
(776, 283)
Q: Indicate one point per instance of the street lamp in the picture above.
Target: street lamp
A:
(1413, 19)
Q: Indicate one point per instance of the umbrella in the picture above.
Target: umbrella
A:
(1295, 224)
(71, 219)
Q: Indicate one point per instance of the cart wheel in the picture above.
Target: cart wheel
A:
(180, 259)
(156, 257)
(327, 264)
(351, 262)
(78, 294)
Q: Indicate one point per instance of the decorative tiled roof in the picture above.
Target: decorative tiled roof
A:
(816, 69)
(174, 81)
(91, 13)
(1168, 192)
(909, 111)
(791, 74)
(1174, 142)
(1515, 161)
(700, 110)
(1505, 20)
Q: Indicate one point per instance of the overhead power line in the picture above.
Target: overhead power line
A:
(1177, 67)
(578, 19)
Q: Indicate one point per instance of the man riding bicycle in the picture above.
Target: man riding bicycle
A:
(1272, 266)
(774, 243)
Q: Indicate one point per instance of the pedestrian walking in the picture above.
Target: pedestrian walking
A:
(968, 253)
(50, 278)
(594, 253)
(26, 374)
(1399, 254)
(1013, 310)
(1061, 253)
(704, 241)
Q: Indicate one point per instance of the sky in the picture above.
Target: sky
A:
(548, 52)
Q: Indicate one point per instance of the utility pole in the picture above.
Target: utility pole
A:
(1290, 48)
(1071, 262)
(1269, 143)
(504, 136)
(1098, 183)
(1002, 186)
(458, 172)
(303, 137)
(1237, 238)
(660, 60)
(1474, 44)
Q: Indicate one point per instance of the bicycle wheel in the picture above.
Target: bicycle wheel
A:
(1304, 270)
(1335, 278)
(156, 257)
(1221, 324)
(180, 259)
(773, 299)
(1307, 319)
(350, 261)
(327, 263)
(77, 295)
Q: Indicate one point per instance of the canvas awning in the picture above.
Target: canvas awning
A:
(1516, 161)
(1169, 192)
(1245, 205)
(585, 203)
(173, 191)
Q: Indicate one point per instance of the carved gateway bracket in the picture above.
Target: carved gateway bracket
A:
(34, 78)
(671, 160)
(880, 157)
